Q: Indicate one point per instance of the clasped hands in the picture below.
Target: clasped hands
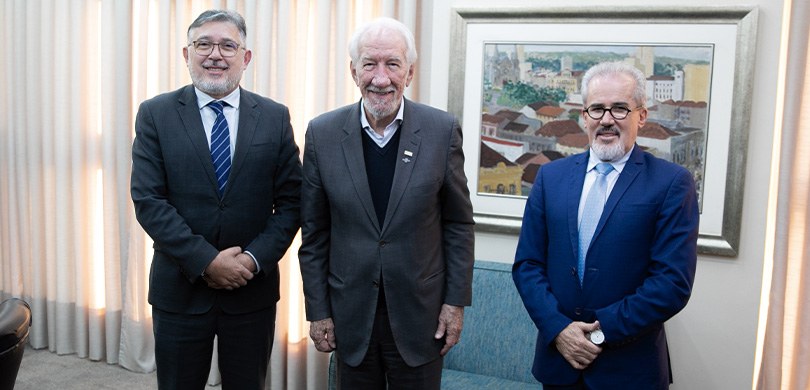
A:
(231, 269)
(574, 345)
(451, 321)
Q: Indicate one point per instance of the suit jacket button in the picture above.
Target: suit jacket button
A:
(578, 311)
(376, 284)
(382, 244)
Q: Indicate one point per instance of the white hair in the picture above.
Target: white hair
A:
(379, 25)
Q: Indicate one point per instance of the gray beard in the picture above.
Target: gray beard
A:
(608, 152)
(379, 111)
(216, 88)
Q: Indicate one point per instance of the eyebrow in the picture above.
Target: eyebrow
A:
(388, 59)
(208, 38)
(617, 104)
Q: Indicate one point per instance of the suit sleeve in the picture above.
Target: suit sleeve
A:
(673, 259)
(316, 221)
(282, 225)
(158, 217)
(530, 270)
(458, 236)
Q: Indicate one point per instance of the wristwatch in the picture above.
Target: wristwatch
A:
(597, 337)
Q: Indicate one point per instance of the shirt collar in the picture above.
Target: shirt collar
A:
(232, 99)
(397, 119)
(617, 165)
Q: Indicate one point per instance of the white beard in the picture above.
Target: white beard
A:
(608, 152)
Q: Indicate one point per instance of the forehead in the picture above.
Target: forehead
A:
(611, 88)
(382, 44)
(216, 29)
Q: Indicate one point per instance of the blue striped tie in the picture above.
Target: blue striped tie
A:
(594, 204)
(220, 146)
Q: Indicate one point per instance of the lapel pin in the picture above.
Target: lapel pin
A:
(409, 153)
(406, 160)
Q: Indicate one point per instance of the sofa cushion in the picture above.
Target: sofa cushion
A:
(460, 380)
(498, 337)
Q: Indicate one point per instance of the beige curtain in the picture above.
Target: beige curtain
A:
(786, 350)
(75, 72)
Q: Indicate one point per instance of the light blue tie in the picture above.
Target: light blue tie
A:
(594, 204)
(220, 146)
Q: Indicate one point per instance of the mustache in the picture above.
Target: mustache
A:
(608, 130)
(215, 64)
(380, 90)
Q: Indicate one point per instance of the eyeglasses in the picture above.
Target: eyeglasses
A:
(617, 112)
(226, 49)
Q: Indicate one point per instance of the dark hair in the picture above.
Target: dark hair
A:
(220, 15)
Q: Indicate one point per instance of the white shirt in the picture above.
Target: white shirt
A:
(231, 112)
(590, 178)
(390, 130)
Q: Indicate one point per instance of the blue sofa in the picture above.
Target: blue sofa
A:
(497, 343)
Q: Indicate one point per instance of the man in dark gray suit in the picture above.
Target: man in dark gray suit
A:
(387, 240)
(221, 216)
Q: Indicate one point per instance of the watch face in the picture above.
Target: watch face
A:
(597, 337)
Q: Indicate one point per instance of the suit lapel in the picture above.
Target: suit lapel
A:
(631, 170)
(409, 140)
(192, 122)
(352, 145)
(575, 183)
(248, 122)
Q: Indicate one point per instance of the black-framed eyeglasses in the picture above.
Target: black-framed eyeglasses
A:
(226, 49)
(617, 112)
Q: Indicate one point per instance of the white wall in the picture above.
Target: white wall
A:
(713, 341)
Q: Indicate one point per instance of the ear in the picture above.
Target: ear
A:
(642, 117)
(411, 71)
(185, 54)
(248, 56)
(354, 73)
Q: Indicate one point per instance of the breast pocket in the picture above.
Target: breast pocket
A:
(425, 188)
(637, 221)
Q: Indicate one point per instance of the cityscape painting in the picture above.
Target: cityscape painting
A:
(531, 107)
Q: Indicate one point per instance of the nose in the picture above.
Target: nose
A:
(607, 119)
(215, 52)
(381, 78)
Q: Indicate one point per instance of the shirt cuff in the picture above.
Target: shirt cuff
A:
(258, 269)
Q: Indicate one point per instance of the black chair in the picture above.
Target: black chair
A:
(15, 321)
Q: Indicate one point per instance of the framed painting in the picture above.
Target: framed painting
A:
(515, 88)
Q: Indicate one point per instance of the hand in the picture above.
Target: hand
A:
(574, 345)
(451, 321)
(247, 261)
(322, 333)
(226, 272)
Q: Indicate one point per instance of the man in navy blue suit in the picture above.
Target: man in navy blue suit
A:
(600, 314)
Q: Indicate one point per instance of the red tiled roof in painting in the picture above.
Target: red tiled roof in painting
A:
(655, 131)
(550, 111)
(500, 141)
(576, 140)
(490, 158)
(559, 128)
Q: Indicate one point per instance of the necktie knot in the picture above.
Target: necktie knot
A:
(218, 106)
(603, 168)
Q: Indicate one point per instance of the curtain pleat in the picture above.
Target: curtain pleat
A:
(786, 347)
(76, 72)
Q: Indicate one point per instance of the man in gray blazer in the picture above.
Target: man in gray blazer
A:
(387, 228)
(221, 216)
